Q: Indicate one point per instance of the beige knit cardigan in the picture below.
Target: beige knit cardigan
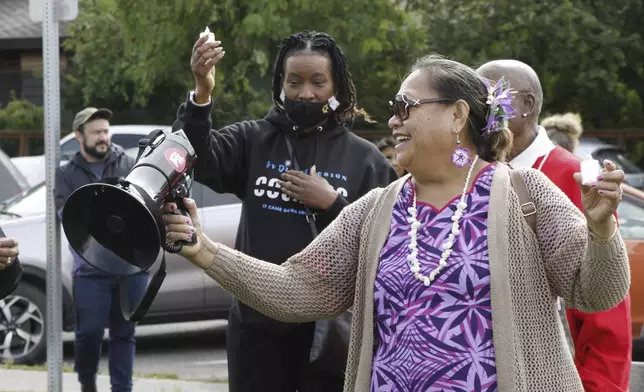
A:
(527, 273)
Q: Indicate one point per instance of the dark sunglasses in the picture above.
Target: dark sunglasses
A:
(400, 106)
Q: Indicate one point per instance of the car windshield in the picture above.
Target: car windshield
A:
(621, 161)
(126, 136)
(13, 182)
(30, 202)
(33, 200)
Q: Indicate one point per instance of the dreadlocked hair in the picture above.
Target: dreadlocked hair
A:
(313, 41)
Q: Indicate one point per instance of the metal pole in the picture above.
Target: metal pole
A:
(51, 72)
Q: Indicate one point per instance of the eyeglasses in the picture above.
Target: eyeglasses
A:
(401, 105)
(517, 92)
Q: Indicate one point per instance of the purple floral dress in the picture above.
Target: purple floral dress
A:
(436, 338)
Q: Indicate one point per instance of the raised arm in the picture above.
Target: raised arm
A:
(317, 283)
(221, 155)
(590, 271)
(602, 340)
(222, 159)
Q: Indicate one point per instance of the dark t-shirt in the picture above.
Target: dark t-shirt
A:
(97, 169)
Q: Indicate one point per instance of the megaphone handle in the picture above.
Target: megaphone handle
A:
(175, 247)
(193, 239)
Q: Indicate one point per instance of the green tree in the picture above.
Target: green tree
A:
(135, 55)
(587, 53)
(21, 115)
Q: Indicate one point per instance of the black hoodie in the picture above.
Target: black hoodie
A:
(248, 157)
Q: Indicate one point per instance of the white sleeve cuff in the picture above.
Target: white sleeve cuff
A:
(192, 100)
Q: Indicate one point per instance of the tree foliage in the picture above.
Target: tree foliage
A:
(134, 55)
(21, 115)
(587, 53)
(131, 54)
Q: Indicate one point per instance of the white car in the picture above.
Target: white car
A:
(12, 180)
(187, 294)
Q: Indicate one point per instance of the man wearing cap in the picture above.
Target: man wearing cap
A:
(96, 294)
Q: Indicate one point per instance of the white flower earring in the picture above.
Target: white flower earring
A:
(333, 103)
(282, 96)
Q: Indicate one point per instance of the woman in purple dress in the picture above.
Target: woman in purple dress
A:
(442, 335)
(452, 274)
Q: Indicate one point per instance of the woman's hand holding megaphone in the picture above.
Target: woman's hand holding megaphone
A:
(178, 227)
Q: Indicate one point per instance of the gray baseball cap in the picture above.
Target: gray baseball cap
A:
(90, 113)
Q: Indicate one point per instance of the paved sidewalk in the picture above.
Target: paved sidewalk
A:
(36, 381)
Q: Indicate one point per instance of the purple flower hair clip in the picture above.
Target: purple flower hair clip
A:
(499, 100)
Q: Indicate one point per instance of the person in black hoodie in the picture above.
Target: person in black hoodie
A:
(294, 171)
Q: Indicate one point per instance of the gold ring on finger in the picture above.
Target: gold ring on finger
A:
(9, 261)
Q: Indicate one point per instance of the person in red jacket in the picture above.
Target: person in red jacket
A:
(602, 341)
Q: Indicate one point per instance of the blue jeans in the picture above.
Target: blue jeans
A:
(97, 307)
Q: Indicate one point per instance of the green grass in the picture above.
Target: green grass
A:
(213, 380)
(9, 365)
(161, 376)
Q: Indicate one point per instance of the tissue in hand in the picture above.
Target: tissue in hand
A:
(211, 36)
(590, 170)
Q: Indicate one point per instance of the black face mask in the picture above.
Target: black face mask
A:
(307, 114)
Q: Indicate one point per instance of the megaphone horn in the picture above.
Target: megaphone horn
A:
(116, 225)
